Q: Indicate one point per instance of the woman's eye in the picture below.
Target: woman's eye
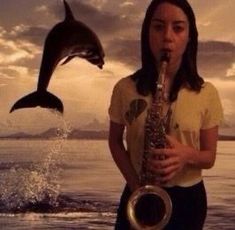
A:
(178, 29)
(158, 27)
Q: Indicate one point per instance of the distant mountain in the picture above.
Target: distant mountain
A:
(54, 132)
(17, 135)
(88, 134)
(95, 125)
(50, 133)
(79, 134)
(226, 138)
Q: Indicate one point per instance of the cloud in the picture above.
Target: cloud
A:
(216, 58)
(215, 19)
(17, 56)
(8, 73)
(33, 34)
(231, 72)
(127, 4)
(106, 18)
(226, 93)
(118, 24)
(42, 9)
(124, 51)
(2, 31)
(110, 28)
(101, 21)
(12, 51)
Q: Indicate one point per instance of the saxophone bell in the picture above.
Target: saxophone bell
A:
(149, 208)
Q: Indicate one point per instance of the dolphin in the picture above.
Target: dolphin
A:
(66, 40)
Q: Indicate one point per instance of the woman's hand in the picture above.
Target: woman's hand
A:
(167, 162)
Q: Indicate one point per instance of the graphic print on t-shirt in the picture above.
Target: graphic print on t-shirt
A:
(136, 107)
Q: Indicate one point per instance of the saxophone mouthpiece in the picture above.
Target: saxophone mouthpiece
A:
(165, 56)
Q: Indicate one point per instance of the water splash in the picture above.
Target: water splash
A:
(25, 189)
(35, 188)
(55, 153)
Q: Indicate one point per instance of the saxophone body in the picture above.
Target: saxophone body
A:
(150, 207)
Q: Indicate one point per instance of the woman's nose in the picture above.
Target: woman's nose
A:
(168, 34)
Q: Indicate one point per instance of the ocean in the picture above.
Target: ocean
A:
(74, 184)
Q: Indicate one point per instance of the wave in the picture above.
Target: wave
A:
(63, 204)
(36, 189)
(33, 165)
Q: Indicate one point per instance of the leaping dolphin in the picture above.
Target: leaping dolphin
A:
(69, 38)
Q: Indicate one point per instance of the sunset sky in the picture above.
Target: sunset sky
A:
(84, 89)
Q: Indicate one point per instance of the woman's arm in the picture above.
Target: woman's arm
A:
(179, 155)
(205, 158)
(120, 155)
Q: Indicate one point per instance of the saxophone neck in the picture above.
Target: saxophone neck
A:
(159, 95)
(164, 61)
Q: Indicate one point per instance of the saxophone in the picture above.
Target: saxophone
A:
(150, 207)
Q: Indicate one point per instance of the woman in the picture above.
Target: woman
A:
(193, 111)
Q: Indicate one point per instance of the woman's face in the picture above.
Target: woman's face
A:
(169, 30)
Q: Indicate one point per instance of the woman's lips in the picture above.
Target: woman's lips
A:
(166, 50)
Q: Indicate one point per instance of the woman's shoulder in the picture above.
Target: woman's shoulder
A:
(125, 83)
(208, 85)
(208, 88)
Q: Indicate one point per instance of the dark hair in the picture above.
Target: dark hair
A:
(145, 78)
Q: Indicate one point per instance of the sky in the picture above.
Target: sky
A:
(84, 89)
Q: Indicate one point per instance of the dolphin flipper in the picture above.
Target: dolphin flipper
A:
(68, 59)
(39, 98)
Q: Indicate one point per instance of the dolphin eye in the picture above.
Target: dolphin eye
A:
(83, 53)
(93, 57)
(91, 52)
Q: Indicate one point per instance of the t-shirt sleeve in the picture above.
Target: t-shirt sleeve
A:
(116, 105)
(213, 113)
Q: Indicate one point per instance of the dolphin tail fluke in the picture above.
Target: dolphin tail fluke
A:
(37, 98)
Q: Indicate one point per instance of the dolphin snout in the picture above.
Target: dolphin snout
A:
(100, 65)
(96, 60)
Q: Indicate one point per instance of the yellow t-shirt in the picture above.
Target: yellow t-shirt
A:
(191, 112)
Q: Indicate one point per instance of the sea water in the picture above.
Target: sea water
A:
(74, 184)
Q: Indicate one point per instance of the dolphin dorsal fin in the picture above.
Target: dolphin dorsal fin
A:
(68, 12)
